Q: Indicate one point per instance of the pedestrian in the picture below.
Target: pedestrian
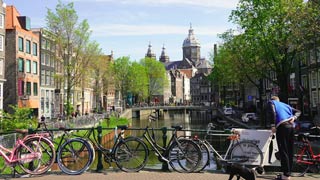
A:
(283, 116)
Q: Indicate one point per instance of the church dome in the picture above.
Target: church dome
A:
(191, 39)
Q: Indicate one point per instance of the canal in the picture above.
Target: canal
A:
(195, 120)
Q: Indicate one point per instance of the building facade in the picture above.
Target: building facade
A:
(47, 72)
(2, 50)
(22, 62)
(181, 72)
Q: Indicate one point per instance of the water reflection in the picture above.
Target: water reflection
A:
(195, 120)
(188, 119)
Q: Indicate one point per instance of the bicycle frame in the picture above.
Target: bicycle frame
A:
(307, 147)
(234, 139)
(107, 152)
(156, 147)
(11, 159)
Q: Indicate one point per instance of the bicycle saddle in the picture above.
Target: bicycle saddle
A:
(178, 127)
(21, 131)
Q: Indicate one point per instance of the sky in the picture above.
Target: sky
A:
(126, 27)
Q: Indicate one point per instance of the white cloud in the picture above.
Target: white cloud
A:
(202, 3)
(142, 30)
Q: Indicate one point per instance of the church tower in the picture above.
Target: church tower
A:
(150, 53)
(164, 57)
(191, 47)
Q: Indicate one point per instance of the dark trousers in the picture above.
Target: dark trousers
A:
(285, 137)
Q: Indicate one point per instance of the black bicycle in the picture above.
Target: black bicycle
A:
(182, 154)
(74, 155)
(129, 153)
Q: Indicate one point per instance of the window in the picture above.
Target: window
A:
(48, 45)
(52, 61)
(43, 44)
(304, 81)
(42, 58)
(312, 56)
(28, 88)
(314, 98)
(43, 76)
(1, 66)
(47, 77)
(35, 89)
(28, 66)
(52, 78)
(35, 67)
(28, 47)
(1, 42)
(35, 49)
(20, 87)
(1, 21)
(20, 43)
(47, 59)
(313, 79)
(21, 65)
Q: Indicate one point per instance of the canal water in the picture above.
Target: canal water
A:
(189, 120)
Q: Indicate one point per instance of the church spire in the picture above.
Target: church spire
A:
(150, 53)
(164, 57)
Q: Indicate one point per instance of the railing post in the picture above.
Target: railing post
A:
(164, 139)
(99, 164)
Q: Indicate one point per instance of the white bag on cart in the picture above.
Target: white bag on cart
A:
(265, 140)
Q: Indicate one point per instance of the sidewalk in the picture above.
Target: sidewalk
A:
(154, 175)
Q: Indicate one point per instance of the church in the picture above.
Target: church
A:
(187, 77)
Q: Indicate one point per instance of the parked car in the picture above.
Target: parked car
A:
(228, 111)
(246, 117)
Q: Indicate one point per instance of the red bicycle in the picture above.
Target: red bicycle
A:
(305, 159)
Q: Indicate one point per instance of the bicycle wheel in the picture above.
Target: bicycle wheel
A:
(246, 153)
(184, 156)
(205, 156)
(75, 156)
(302, 161)
(131, 154)
(43, 159)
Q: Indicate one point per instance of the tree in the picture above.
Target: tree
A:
(90, 64)
(268, 31)
(156, 74)
(139, 81)
(120, 69)
(71, 40)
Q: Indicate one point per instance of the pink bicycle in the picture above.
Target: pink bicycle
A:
(34, 153)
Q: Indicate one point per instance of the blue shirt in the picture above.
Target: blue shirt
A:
(283, 111)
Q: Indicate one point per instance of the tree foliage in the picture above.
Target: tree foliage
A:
(139, 81)
(72, 42)
(20, 119)
(267, 41)
(156, 74)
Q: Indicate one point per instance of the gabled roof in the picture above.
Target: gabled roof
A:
(204, 64)
(172, 65)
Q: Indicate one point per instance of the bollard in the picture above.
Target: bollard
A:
(164, 138)
(99, 164)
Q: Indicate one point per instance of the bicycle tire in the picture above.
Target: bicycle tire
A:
(38, 165)
(75, 156)
(131, 154)
(300, 159)
(184, 156)
(205, 156)
(246, 153)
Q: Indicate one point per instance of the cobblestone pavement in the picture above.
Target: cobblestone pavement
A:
(152, 175)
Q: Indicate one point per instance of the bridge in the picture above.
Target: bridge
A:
(173, 108)
(136, 112)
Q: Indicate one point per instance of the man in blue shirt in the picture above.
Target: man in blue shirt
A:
(283, 115)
